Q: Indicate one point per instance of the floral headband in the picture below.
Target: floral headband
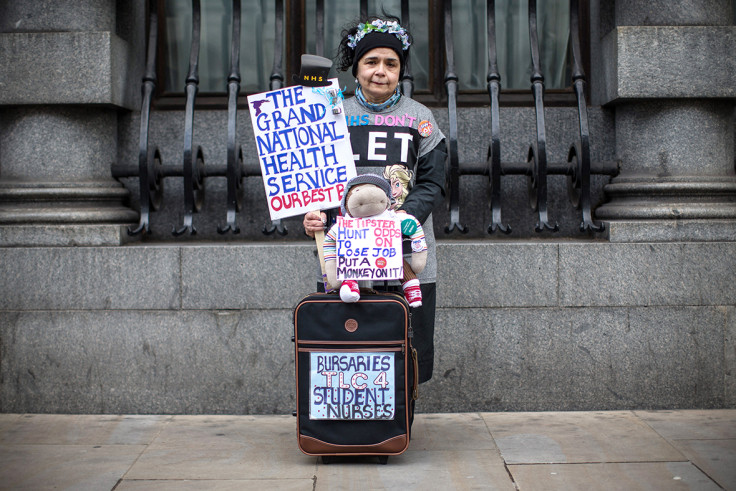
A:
(378, 25)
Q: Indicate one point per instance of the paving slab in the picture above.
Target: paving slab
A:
(447, 451)
(418, 469)
(664, 476)
(218, 485)
(706, 437)
(7, 422)
(717, 458)
(692, 424)
(78, 467)
(224, 447)
(632, 450)
(577, 437)
(451, 431)
(69, 429)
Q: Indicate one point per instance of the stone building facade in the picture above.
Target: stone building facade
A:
(642, 315)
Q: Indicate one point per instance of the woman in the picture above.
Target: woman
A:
(386, 130)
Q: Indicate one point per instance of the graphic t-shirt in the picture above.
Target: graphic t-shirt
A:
(390, 143)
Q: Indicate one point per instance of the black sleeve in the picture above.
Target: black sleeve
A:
(429, 184)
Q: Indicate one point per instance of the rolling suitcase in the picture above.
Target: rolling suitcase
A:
(356, 374)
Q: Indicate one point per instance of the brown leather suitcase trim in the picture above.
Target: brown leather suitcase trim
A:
(393, 446)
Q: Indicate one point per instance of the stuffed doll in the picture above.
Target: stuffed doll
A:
(369, 196)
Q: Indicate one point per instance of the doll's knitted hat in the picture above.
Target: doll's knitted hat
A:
(374, 179)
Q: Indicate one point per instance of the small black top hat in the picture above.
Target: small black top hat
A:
(314, 71)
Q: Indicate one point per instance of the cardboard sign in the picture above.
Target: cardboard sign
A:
(350, 386)
(303, 148)
(369, 248)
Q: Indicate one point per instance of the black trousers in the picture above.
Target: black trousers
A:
(422, 322)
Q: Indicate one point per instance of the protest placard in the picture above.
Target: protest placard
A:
(349, 386)
(369, 248)
(303, 149)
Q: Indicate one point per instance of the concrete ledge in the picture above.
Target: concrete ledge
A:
(654, 274)
(206, 328)
(63, 235)
(669, 62)
(241, 362)
(147, 362)
(671, 231)
(247, 276)
(94, 278)
(487, 274)
(579, 274)
(63, 68)
(472, 274)
(524, 359)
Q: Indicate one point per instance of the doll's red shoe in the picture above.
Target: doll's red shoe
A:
(349, 291)
(413, 293)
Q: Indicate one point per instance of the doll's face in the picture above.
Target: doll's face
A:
(366, 200)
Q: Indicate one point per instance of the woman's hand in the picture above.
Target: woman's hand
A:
(314, 221)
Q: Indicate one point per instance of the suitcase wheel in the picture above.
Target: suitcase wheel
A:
(326, 460)
(383, 459)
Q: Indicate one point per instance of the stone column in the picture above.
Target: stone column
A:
(668, 72)
(67, 67)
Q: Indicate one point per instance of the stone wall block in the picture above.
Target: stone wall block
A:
(55, 169)
(147, 362)
(473, 274)
(729, 353)
(585, 359)
(672, 12)
(67, 144)
(64, 68)
(669, 62)
(647, 274)
(93, 278)
(58, 15)
(247, 276)
(241, 362)
(665, 139)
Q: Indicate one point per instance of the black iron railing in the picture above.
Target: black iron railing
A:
(276, 82)
(578, 182)
(193, 171)
(578, 167)
(149, 164)
(453, 165)
(151, 172)
(234, 151)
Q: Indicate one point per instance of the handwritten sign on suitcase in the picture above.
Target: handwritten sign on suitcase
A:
(352, 386)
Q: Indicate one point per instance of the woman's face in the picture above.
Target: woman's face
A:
(378, 74)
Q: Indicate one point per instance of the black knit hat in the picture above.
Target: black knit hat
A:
(379, 40)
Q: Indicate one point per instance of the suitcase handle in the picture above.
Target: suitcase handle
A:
(414, 392)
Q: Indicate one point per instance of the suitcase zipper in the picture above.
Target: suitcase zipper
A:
(360, 343)
(354, 350)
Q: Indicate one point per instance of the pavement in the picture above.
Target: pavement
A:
(612, 450)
